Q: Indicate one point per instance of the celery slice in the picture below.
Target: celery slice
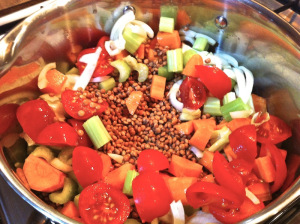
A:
(108, 84)
(163, 71)
(131, 174)
(67, 194)
(123, 68)
(235, 105)
(187, 55)
(166, 24)
(175, 60)
(201, 44)
(143, 71)
(96, 131)
(169, 11)
(229, 97)
(212, 106)
(43, 152)
(188, 115)
(133, 40)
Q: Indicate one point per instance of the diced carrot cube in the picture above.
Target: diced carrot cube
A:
(181, 167)
(158, 85)
(207, 160)
(238, 122)
(265, 168)
(185, 128)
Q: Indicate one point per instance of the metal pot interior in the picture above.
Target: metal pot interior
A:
(257, 37)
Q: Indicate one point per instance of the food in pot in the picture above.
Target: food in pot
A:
(147, 127)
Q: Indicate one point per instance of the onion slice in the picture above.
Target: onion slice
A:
(177, 212)
(120, 24)
(173, 96)
(198, 153)
(145, 26)
(249, 82)
(241, 84)
(100, 79)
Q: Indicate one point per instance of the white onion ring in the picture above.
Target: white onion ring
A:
(231, 60)
(230, 73)
(241, 84)
(100, 79)
(173, 96)
(249, 82)
(120, 24)
(198, 153)
(145, 26)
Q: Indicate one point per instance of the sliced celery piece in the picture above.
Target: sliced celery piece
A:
(229, 97)
(143, 71)
(43, 152)
(131, 61)
(188, 115)
(96, 131)
(67, 194)
(108, 84)
(169, 11)
(131, 174)
(133, 40)
(235, 105)
(201, 44)
(163, 71)
(212, 106)
(123, 68)
(175, 60)
(166, 24)
(187, 55)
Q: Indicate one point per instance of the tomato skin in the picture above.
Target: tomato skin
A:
(58, 134)
(204, 193)
(192, 93)
(243, 168)
(243, 142)
(215, 80)
(83, 140)
(151, 195)
(152, 160)
(274, 131)
(233, 216)
(34, 116)
(87, 165)
(226, 176)
(105, 202)
(72, 104)
(7, 116)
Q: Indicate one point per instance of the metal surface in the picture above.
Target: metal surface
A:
(255, 35)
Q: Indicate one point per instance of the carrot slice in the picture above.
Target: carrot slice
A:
(21, 175)
(117, 177)
(133, 101)
(207, 160)
(41, 176)
(172, 40)
(265, 169)
(204, 129)
(140, 53)
(185, 128)
(158, 85)
(189, 69)
(181, 167)
(238, 122)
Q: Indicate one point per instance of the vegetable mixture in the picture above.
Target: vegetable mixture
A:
(147, 127)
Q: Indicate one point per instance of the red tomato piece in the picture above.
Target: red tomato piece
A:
(101, 203)
(204, 193)
(79, 108)
(152, 160)
(280, 166)
(274, 131)
(83, 138)
(243, 142)
(226, 176)
(87, 165)
(151, 195)
(242, 167)
(215, 80)
(192, 93)
(34, 116)
(236, 215)
(58, 134)
(7, 116)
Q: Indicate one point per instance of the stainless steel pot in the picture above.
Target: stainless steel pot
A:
(256, 36)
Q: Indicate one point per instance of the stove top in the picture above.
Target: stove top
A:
(13, 209)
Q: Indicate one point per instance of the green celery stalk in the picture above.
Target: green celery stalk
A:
(163, 71)
(175, 60)
(235, 105)
(133, 40)
(169, 11)
(212, 106)
(131, 174)
(123, 68)
(187, 55)
(166, 24)
(107, 84)
(201, 44)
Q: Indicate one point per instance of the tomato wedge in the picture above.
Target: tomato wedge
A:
(87, 165)
(192, 93)
(83, 138)
(58, 134)
(7, 116)
(204, 193)
(243, 142)
(151, 195)
(34, 116)
(80, 108)
(274, 131)
(227, 177)
(215, 80)
(152, 160)
(101, 203)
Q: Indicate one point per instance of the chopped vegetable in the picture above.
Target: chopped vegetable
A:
(107, 84)
(131, 174)
(157, 90)
(187, 55)
(207, 160)
(236, 105)
(68, 192)
(172, 40)
(177, 212)
(185, 128)
(212, 106)
(152, 160)
(181, 167)
(133, 101)
(163, 71)
(190, 67)
(133, 40)
(123, 68)
(166, 24)
(265, 168)
(169, 11)
(175, 60)
(201, 44)
(188, 115)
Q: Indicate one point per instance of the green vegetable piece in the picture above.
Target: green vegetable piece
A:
(189, 115)
(131, 174)
(141, 68)
(229, 97)
(187, 55)
(201, 44)
(131, 221)
(43, 152)
(169, 11)
(235, 105)
(76, 199)
(96, 131)
(133, 40)
(212, 106)
(108, 84)
(163, 71)
(166, 24)
(131, 61)
(67, 194)
(123, 68)
(65, 155)
(175, 60)
(220, 138)
(73, 71)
